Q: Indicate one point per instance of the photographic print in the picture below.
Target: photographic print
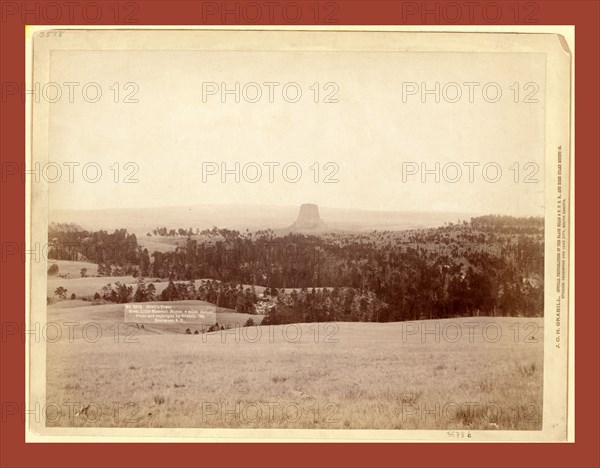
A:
(294, 235)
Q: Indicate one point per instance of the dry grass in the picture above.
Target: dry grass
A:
(486, 384)
(371, 378)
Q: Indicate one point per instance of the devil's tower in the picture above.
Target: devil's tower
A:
(308, 219)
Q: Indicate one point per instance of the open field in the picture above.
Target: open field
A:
(87, 287)
(336, 375)
(160, 244)
(72, 269)
(108, 316)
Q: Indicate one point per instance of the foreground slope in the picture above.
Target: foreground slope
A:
(410, 375)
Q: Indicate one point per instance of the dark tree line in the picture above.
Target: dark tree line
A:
(224, 295)
(493, 265)
(118, 248)
(325, 305)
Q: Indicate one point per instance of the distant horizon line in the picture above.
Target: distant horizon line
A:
(411, 210)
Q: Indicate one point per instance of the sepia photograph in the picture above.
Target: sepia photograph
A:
(298, 234)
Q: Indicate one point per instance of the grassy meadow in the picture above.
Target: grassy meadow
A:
(327, 375)
(72, 269)
(91, 284)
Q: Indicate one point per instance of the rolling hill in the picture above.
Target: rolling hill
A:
(241, 217)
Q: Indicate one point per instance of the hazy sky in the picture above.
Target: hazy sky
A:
(370, 134)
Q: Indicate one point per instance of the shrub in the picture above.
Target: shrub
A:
(410, 397)
(61, 292)
(486, 385)
(527, 370)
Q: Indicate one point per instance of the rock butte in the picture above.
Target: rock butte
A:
(308, 219)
